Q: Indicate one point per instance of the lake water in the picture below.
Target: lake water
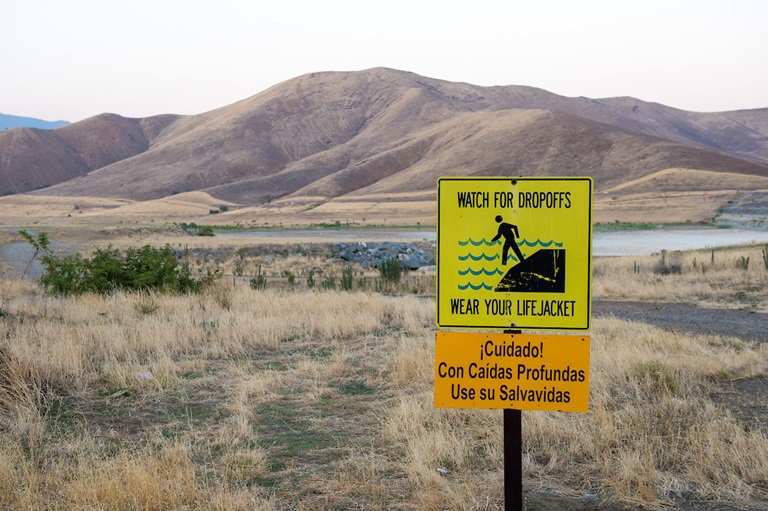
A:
(615, 243)
(646, 242)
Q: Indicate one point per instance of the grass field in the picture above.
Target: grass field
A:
(728, 277)
(294, 398)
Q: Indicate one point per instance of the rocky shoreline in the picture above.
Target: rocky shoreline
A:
(370, 254)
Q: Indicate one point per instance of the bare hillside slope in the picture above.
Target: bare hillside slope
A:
(375, 131)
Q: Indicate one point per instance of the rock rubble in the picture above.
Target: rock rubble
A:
(411, 256)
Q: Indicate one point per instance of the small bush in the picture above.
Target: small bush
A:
(390, 270)
(347, 278)
(259, 282)
(329, 283)
(311, 279)
(139, 269)
(206, 231)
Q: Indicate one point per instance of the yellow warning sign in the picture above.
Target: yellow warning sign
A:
(514, 253)
(521, 372)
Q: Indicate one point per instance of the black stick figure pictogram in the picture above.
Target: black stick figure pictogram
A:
(509, 232)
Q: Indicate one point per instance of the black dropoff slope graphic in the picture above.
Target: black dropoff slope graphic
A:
(542, 272)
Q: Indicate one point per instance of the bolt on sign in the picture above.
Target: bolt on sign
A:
(514, 252)
(518, 371)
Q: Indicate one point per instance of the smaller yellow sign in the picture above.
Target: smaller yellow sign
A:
(517, 371)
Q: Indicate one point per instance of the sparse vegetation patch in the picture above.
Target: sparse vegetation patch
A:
(109, 270)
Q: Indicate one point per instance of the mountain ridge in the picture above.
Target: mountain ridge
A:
(338, 134)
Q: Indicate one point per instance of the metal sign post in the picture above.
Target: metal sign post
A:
(513, 455)
(513, 460)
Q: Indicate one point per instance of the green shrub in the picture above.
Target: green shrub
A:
(347, 278)
(311, 279)
(108, 270)
(329, 283)
(205, 231)
(259, 282)
(390, 270)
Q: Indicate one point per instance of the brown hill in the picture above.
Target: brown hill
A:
(32, 158)
(379, 131)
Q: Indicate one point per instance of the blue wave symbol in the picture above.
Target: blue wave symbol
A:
(487, 243)
(478, 287)
(479, 257)
(483, 241)
(541, 243)
(495, 271)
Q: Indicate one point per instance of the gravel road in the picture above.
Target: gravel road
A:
(745, 325)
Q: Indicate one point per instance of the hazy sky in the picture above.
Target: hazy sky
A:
(72, 59)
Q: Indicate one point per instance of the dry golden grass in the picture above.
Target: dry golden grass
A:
(296, 399)
(91, 354)
(674, 195)
(24, 209)
(661, 207)
(671, 195)
(680, 179)
(367, 210)
(82, 212)
(732, 277)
